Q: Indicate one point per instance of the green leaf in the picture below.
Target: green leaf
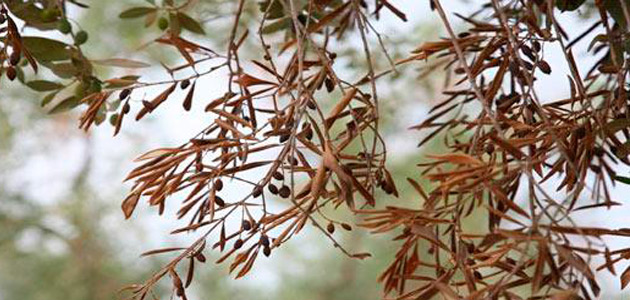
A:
(30, 14)
(174, 24)
(136, 12)
(19, 74)
(276, 11)
(569, 5)
(48, 98)
(277, 25)
(44, 85)
(65, 105)
(623, 179)
(189, 23)
(616, 11)
(113, 118)
(45, 50)
(121, 63)
(64, 70)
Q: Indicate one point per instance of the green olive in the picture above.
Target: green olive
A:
(95, 87)
(162, 23)
(64, 26)
(81, 37)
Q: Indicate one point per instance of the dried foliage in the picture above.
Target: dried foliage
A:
(272, 134)
(502, 162)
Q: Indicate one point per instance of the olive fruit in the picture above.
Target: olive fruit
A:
(64, 26)
(11, 73)
(124, 94)
(162, 23)
(14, 59)
(81, 37)
(184, 84)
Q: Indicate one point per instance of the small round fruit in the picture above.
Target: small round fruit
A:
(238, 244)
(184, 84)
(257, 192)
(11, 73)
(124, 94)
(95, 87)
(330, 228)
(284, 192)
(219, 201)
(218, 184)
(81, 37)
(162, 23)
(246, 225)
(264, 240)
(278, 176)
(113, 119)
(273, 189)
(64, 26)
(14, 59)
(126, 108)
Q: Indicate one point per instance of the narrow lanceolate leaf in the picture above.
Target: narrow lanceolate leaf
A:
(246, 80)
(362, 255)
(248, 265)
(48, 98)
(44, 85)
(46, 50)
(575, 261)
(163, 250)
(129, 205)
(541, 260)
(118, 124)
(65, 105)
(156, 153)
(318, 183)
(191, 272)
(623, 179)
(187, 104)
(625, 278)
(457, 159)
(189, 23)
(136, 12)
(155, 102)
(327, 19)
(122, 81)
(121, 63)
(341, 105)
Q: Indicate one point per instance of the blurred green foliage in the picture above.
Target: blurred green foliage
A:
(63, 248)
